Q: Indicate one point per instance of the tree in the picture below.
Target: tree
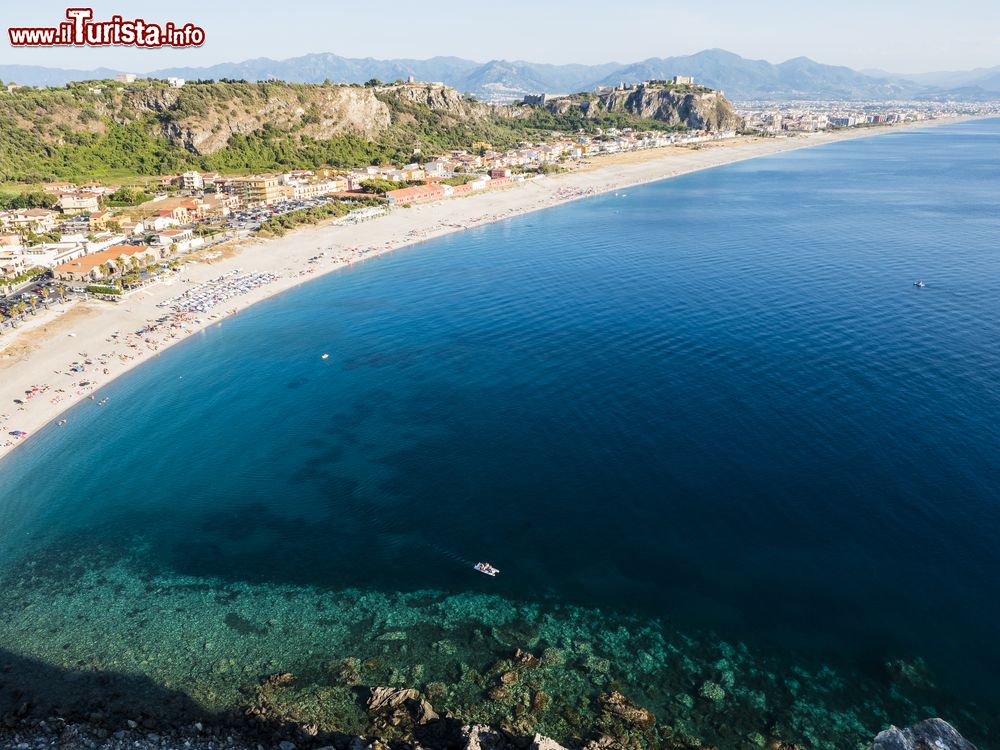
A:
(127, 196)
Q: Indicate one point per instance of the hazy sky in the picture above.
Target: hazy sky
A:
(902, 36)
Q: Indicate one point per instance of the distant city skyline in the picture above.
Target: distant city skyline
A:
(898, 36)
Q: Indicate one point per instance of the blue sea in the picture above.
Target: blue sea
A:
(709, 430)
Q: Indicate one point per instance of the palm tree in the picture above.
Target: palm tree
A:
(137, 266)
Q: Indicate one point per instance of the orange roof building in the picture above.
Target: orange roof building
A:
(417, 194)
(96, 266)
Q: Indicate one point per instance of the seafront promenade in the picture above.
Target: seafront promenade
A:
(67, 356)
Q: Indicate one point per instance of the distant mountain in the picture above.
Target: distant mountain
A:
(316, 68)
(741, 79)
(38, 75)
(978, 84)
(503, 80)
(985, 78)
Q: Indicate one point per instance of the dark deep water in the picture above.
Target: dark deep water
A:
(717, 399)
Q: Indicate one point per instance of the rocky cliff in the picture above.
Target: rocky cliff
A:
(203, 118)
(204, 124)
(100, 128)
(698, 108)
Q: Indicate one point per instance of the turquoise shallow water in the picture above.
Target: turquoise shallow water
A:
(708, 429)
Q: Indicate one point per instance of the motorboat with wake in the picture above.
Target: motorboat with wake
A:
(486, 569)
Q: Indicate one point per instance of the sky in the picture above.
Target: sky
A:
(900, 36)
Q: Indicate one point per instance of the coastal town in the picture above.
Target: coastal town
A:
(107, 240)
(791, 117)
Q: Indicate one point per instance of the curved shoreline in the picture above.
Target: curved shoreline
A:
(33, 357)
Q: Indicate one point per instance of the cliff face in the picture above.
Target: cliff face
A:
(203, 117)
(699, 109)
(439, 98)
(319, 112)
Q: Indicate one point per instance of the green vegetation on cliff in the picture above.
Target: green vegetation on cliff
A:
(106, 130)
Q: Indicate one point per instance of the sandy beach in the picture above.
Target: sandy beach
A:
(67, 354)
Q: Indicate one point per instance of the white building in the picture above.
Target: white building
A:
(175, 82)
(78, 203)
(436, 168)
(192, 181)
(39, 220)
(159, 223)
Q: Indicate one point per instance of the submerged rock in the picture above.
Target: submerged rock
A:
(404, 708)
(931, 734)
(913, 673)
(526, 658)
(713, 691)
(620, 706)
(278, 678)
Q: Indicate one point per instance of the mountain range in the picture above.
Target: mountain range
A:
(502, 80)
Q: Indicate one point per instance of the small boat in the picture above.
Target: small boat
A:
(487, 569)
(919, 284)
(326, 356)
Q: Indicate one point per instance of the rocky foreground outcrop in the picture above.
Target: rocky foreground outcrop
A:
(931, 734)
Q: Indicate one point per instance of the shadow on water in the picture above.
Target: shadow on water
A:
(32, 688)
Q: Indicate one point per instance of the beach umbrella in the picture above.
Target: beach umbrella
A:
(18, 401)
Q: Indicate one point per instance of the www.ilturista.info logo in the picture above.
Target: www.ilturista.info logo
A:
(80, 30)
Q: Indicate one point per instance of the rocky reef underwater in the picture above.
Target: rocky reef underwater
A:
(113, 643)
